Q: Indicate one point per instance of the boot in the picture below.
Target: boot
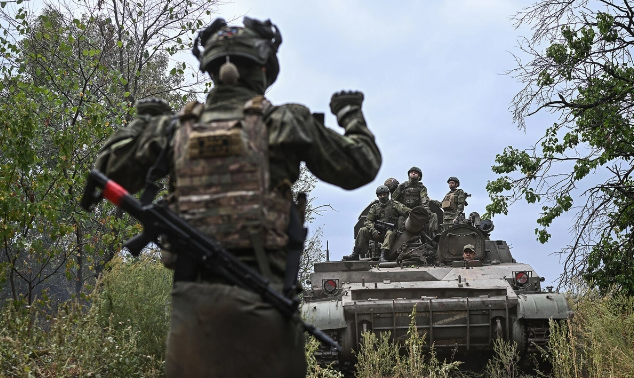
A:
(352, 257)
(375, 255)
(382, 257)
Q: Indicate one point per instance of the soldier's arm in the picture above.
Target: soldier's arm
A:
(348, 161)
(131, 151)
(398, 193)
(401, 209)
(424, 198)
(369, 220)
(460, 200)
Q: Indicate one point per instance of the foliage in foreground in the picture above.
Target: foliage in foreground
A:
(598, 341)
(379, 357)
(119, 330)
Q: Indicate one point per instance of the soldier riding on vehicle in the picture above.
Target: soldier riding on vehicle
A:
(380, 224)
(454, 202)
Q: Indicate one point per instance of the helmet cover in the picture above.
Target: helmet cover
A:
(257, 42)
(392, 184)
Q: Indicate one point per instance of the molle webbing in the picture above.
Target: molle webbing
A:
(411, 195)
(222, 180)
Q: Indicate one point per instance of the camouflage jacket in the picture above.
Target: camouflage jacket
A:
(412, 194)
(348, 161)
(388, 212)
(454, 201)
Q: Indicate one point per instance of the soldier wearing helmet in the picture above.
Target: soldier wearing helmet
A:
(412, 192)
(454, 202)
(386, 210)
(392, 184)
(240, 196)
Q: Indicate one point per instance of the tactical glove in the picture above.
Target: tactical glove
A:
(340, 100)
(375, 233)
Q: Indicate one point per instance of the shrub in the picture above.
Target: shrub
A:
(598, 341)
(98, 338)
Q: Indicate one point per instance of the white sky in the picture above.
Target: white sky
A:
(436, 97)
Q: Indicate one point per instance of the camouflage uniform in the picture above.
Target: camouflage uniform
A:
(412, 194)
(388, 212)
(218, 330)
(453, 204)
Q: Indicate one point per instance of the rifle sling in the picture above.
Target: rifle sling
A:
(260, 254)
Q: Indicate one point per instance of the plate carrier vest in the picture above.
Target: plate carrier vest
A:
(411, 194)
(222, 184)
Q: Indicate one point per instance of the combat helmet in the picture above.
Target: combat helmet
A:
(454, 178)
(382, 189)
(257, 41)
(392, 184)
(417, 170)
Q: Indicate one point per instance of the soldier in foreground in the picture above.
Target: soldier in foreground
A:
(231, 164)
(387, 211)
(454, 202)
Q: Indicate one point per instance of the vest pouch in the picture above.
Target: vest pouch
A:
(449, 202)
(215, 143)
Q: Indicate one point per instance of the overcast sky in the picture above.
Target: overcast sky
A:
(436, 97)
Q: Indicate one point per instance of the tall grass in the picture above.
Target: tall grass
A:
(598, 341)
(118, 332)
(379, 357)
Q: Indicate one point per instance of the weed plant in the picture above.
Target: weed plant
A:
(137, 294)
(598, 341)
(380, 357)
(100, 337)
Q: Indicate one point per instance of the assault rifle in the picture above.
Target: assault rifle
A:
(164, 228)
(383, 226)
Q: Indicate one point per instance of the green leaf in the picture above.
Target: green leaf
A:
(119, 43)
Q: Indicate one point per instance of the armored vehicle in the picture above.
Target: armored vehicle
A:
(461, 306)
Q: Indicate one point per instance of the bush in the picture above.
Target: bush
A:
(379, 357)
(99, 338)
(598, 341)
(137, 294)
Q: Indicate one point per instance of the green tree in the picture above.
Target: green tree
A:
(579, 68)
(69, 78)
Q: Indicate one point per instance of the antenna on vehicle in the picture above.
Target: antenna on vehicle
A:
(327, 252)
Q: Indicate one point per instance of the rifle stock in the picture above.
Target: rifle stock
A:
(162, 226)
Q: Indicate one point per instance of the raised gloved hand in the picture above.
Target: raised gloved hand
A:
(340, 99)
(375, 233)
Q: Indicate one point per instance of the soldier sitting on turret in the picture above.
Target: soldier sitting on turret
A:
(413, 193)
(380, 225)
